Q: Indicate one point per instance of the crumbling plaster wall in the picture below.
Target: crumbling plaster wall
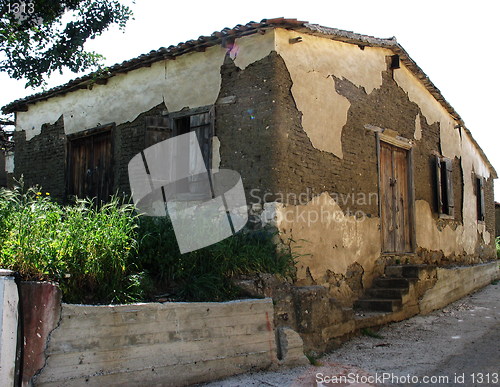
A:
(125, 96)
(340, 251)
(191, 80)
(454, 142)
(357, 91)
(314, 64)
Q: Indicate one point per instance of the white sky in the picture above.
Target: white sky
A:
(454, 42)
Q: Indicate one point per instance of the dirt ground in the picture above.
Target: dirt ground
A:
(455, 346)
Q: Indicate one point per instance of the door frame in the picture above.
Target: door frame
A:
(407, 145)
(88, 133)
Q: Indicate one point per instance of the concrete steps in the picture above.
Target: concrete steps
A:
(378, 304)
(387, 292)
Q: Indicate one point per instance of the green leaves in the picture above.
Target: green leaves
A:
(109, 254)
(86, 249)
(35, 43)
(205, 274)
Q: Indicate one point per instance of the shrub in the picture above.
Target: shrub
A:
(498, 247)
(84, 248)
(109, 254)
(205, 274)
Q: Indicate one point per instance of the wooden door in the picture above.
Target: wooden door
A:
(394, 199)
(89, 172)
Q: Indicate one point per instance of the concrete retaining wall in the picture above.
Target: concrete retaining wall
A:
(8, 327)
(455, 283)
(165, 344)
(41, 310)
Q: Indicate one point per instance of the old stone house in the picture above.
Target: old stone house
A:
(342, 142)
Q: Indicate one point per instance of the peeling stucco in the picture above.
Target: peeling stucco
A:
(418, 128)
(450, 240)
(190, 81)
(311, 64)
(432, 110)
(331, 240)
(472, 165)
(84, 109)
(447, 240)
(324, 110)
(454, 142)
(194, 79)
(248, 50)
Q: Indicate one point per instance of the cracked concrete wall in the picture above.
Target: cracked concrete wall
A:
(41, 308)
(172, 344)
(455, 283)
(9, 300)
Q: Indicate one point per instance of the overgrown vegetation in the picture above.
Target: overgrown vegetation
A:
(498, 247)
(112, 255)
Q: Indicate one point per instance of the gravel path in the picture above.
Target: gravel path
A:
(461, 340)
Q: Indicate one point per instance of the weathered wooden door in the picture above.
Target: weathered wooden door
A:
(394, 199)
(89, 172)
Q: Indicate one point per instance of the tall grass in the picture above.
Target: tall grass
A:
(86, 249)
(205, 274)
(110, 254)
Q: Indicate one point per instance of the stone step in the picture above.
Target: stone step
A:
(391, 293)
(391, 283)
(378, 304)
(406, 271)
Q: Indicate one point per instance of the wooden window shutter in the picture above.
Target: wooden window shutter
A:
(449, 187)
(203, 125)
(480, 199)
(158, 128)
(439, 195)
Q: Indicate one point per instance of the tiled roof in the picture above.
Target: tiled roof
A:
(219, 37)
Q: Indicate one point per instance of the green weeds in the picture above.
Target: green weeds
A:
(205, 274)
(87, 250)
(109, 254)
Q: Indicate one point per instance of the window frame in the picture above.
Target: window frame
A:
(444, 187)
(480, 201)
(195, 191)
